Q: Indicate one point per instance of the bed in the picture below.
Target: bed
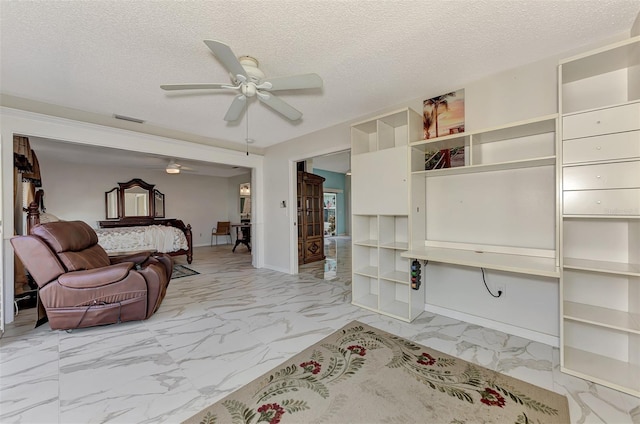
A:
(167, 235)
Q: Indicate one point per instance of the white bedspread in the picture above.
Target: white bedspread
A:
(157, 237)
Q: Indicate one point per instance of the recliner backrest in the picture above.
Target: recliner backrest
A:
(75, 243)
(42, 263)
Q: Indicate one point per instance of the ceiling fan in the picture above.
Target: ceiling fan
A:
(250, 81)
(175, 168)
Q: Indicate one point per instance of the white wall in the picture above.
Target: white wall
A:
(75, 191)
(280, 177)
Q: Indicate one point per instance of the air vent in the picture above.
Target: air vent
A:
(128, 118)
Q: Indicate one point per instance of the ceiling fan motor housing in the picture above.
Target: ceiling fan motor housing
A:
(250, 65)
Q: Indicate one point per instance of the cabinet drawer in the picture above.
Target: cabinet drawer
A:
(602, 202)
(609, 175)
(604, 147)
(602, 121)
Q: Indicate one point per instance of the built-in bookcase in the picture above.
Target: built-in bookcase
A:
(600, 284)
(379, 164)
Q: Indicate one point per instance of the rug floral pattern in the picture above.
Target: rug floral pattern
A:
(362, 374)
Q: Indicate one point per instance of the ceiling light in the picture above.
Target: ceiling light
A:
(172, 167)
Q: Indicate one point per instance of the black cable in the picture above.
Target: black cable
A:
(84, 314)
(485, 284)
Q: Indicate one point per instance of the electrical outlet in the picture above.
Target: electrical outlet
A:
(501, 288)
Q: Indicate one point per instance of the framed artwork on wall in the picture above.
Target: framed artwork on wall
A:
(444, 114)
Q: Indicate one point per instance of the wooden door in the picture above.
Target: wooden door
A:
(310, 218)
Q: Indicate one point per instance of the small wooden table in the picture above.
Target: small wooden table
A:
(243, 235)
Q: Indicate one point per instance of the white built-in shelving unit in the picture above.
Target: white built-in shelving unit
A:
(551, 197)
(600, 283)
(380, 225)
(498, 211)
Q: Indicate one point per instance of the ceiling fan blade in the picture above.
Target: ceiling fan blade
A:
(292, 82)
(280, 106)
(226, 56)
(196, 86)
(236, 108)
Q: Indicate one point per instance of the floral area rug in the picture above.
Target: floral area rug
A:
(360, 374)
(180, 271)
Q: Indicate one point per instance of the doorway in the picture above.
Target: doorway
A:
(330, 217)
(335, 219)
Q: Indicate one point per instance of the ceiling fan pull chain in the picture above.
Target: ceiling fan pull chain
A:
(247, 139)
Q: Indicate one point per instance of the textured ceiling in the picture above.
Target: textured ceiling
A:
(110, 57)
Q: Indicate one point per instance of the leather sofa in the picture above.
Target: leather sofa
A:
(81, 286)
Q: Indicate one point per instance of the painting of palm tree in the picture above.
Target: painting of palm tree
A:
(444, 114)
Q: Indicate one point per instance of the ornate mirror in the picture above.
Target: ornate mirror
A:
(136, 202)
(112, 201)
(134, 199)
(158, 204)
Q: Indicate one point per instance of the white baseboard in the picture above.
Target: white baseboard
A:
(275, 268)
(495, 325)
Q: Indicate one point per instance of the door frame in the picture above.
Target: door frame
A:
(291, 210)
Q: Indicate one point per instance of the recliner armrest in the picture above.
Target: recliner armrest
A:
(137, 258)
(96, 277)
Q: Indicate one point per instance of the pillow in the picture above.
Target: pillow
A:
(47, 217)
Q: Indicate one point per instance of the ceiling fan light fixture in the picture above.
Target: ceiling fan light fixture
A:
(250, 65)
(172, 167)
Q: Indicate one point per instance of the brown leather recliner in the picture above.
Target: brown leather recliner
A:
(80, 286)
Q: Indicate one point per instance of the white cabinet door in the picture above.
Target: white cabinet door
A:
(379, 182)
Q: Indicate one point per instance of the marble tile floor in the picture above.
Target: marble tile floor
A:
(220, 329)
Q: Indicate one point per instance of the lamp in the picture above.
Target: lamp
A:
(245, 190)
